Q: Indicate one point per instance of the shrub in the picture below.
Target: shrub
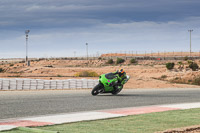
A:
(133, 61)
(1, 70)
(189, 62)
(86, 74)
(93, 74)
(180, 63)
(120, 60)
(59, 75)
(196, 81)
(11, 65)
(176, 80)
(22, 62)
(186, 58)
(170, 65)
(110, 61)
(163, 76)
(82, 74)
(48, 66)
(194, 66)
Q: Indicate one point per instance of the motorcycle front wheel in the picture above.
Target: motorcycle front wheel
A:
(97, 89)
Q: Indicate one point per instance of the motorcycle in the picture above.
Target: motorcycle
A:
(108, 83)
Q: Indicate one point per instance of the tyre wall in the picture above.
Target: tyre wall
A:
(39, 84)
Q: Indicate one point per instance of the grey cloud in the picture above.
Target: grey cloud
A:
(19, 14)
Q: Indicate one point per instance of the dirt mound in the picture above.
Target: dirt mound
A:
(191, 129)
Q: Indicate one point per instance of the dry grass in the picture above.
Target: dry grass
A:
(158, 54)
(86, 74)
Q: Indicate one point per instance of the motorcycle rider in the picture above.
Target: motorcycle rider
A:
(122, 78)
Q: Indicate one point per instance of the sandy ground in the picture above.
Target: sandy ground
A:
(145, 74)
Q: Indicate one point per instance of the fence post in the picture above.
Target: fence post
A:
(164, 55)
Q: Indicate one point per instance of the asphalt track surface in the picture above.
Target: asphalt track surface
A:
(15, 104)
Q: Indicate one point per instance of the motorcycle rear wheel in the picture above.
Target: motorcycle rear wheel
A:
(116, 91)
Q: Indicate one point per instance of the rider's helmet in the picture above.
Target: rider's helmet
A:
(121, 72)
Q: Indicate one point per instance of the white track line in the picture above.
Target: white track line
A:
(183, 105)
(73, 117)
(6, 127)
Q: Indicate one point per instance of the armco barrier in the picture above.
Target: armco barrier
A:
(39, 84)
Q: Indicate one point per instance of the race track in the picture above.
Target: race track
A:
(14, 104)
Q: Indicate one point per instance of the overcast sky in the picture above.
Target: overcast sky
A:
(60, 28)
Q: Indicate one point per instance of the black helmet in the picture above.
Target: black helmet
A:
(121, 72)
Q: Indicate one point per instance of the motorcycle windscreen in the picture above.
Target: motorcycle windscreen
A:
(110, 76)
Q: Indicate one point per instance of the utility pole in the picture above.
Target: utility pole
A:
(87, 50)
(26, 32)
(190, 42)
(74, 54)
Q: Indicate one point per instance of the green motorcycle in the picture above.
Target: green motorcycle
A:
(108, 83)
